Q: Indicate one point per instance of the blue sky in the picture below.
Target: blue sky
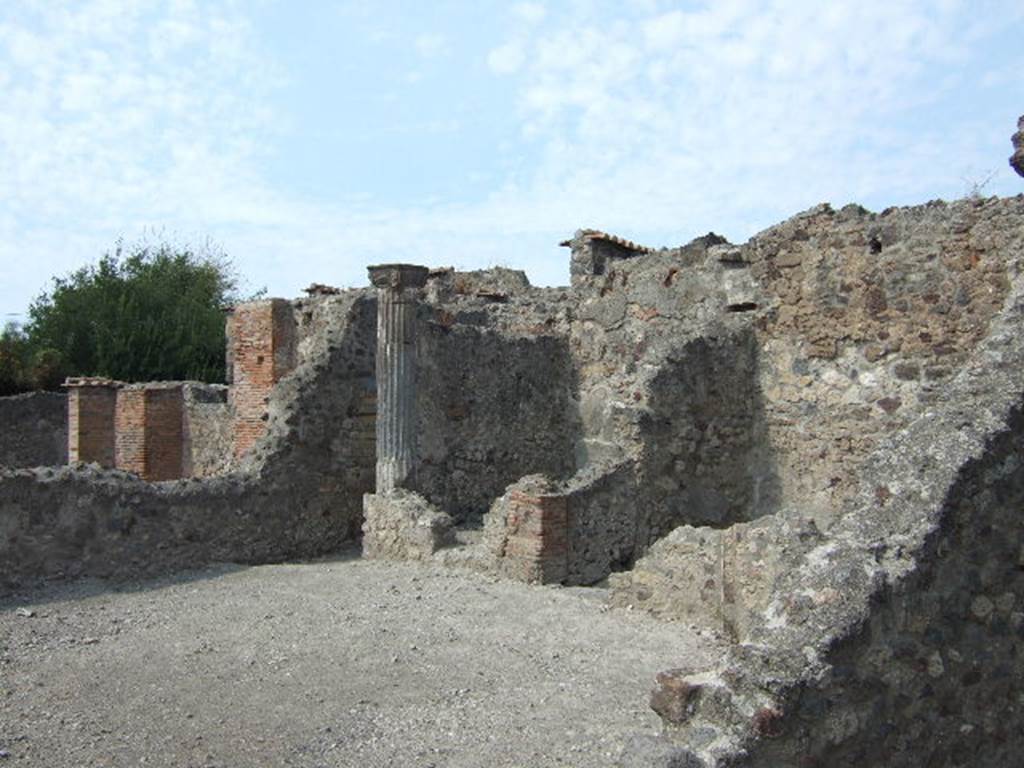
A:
(309, 139)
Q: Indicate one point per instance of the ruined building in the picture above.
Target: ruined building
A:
(810, 443)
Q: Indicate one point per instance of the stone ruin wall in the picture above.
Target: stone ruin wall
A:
(161, 430)
(889, 636)
(830, 391)
(665, 374)
(496, 397)
(35, 429)
(869, 317)
(298, 492)
(764, 426)
(207, 430)
(930, 676)
(705, 393)
(896, 639)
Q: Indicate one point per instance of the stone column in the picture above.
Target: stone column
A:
(398, 287)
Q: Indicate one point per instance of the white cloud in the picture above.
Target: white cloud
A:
(431, 46)
(115, 119)
(531, 13)
(507, 59)
(659, 125)
(675, 121)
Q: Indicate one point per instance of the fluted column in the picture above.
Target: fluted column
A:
(398, 287)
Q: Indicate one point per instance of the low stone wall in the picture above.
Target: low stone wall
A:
(716, 578)
(295, 495)
(572, 532)
(35, 429)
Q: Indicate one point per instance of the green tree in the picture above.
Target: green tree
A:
(14, 357)
(141, 313)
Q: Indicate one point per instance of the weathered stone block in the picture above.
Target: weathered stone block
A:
(402, 525)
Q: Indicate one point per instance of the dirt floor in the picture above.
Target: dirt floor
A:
(333, 663)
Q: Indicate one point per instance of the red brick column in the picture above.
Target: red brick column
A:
(538, 538)
(261, 350)
(148, 424)
(164, 448)
(130, 430)
(91, 420)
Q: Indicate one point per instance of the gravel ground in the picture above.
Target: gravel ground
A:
(344, 662)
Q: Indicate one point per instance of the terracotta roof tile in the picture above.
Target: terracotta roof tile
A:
(596, 234)
(90, 381)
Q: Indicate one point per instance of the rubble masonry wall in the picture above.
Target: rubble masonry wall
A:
(298, 493)
(888, 635)
(35, 429)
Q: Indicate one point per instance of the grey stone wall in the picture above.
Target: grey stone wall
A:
(207, 439)
(34, 429)
(602, 534)
(866, 318)
(719, 579)
(889, 637)
(705, 457)
(932, 676)
(496, 401)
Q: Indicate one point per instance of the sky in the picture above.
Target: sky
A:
(310, 139)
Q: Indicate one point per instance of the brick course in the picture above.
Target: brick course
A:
(537, 548)
(262, 344)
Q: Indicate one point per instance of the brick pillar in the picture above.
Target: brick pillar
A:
(149, 438)
(164, 448)
(261, 351)
(130, 430)
(91, 420)
(537, 548)
(398, 288)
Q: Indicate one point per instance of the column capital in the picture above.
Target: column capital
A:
(398, 276)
